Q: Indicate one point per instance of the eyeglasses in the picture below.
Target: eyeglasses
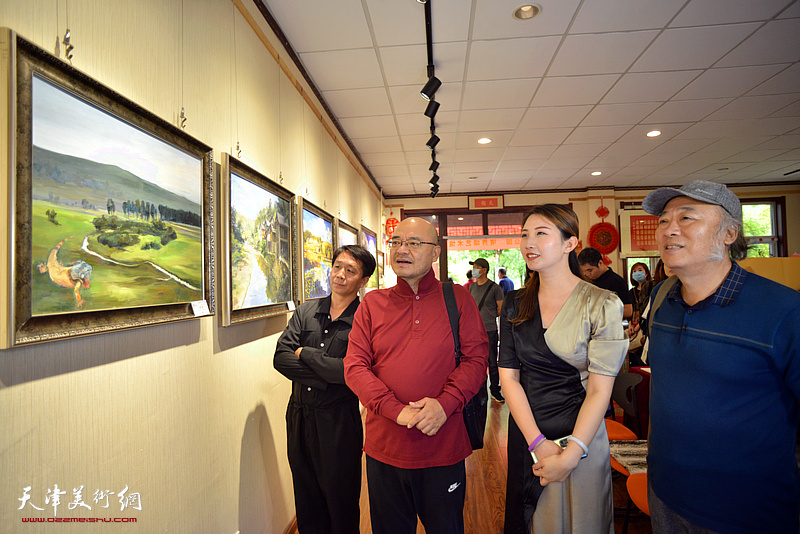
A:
(412, 244)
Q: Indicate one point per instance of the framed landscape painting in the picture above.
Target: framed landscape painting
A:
(112, 211)
(379, 268)
(316, 241)
(370, 242)
(257, 261)
(345, 234)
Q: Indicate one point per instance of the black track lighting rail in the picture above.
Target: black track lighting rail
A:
(427, 93)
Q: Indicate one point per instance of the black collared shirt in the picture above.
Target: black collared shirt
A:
(613, 282)
(318, 374)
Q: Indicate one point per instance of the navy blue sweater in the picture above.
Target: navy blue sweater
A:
(724, 406)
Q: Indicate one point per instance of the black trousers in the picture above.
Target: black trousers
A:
(515, 481)
(397, 496)
(494, 374)
(324, 447)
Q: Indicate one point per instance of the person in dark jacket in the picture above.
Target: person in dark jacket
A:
(323, 422)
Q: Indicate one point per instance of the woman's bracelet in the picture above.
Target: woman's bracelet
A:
(538, 441)
(580, 444)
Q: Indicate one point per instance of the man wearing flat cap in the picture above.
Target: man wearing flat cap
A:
(725, 387)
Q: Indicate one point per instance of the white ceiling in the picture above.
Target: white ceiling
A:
(569, 92)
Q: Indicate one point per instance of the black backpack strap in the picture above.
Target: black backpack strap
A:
(452, 312)
(489, 285)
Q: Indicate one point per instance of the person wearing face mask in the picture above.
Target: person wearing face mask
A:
(642, 285)
(489, 298)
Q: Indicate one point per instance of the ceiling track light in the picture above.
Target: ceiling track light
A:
(434, 166)
(434, 190)
(433, 107)
(433, 141)
(433, 180)
(430, 88)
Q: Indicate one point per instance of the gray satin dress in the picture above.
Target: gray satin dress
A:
(586, 336)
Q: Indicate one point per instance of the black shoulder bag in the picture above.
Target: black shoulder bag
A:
(475, 410)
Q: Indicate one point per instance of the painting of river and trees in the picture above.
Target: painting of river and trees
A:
(116, 213)
(259, 246)
(317, 252)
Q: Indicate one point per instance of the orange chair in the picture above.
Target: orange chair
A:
(637, 494)
(637, 489)
(619, 432)
(616, 466)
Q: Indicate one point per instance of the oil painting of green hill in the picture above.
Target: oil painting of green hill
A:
(116, 216)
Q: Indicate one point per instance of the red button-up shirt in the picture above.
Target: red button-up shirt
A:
(401, 350)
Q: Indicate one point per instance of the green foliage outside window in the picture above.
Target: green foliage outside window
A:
(511, 259)
(757, 221)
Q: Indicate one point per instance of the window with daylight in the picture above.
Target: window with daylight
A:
(763, 227)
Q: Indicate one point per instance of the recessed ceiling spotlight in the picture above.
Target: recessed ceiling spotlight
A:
(484, 141)
(654, 133)
(461, 218)
(596, 173)
(472, 178)
(527, 11)
(724, 169)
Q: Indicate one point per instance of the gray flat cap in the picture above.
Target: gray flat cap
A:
(708, 192)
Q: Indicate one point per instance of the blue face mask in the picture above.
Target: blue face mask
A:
(476, 273)
(639, 276)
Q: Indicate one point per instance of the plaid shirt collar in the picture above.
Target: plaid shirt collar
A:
(726, 293)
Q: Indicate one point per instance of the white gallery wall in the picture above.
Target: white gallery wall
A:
(188, 415)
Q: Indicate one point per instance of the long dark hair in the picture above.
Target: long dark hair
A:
(567, 223)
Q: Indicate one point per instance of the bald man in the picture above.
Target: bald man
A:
(401, 363)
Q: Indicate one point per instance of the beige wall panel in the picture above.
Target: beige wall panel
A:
(314, 159)
(5, 185)
(206, 79)
(329, 179)
(292, 146)
(255, 107)
(370, 210)
(349, 207)
(135, 48)
(26, 19)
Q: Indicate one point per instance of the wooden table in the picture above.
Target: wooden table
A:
(631, 454)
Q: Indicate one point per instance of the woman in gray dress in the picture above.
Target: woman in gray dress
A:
(561, 346)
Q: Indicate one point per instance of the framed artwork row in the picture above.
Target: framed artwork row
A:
(112, 216)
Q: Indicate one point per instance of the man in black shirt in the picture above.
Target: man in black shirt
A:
(601, 275)
(323, 423)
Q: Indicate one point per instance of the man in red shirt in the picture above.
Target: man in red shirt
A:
(401, 363)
